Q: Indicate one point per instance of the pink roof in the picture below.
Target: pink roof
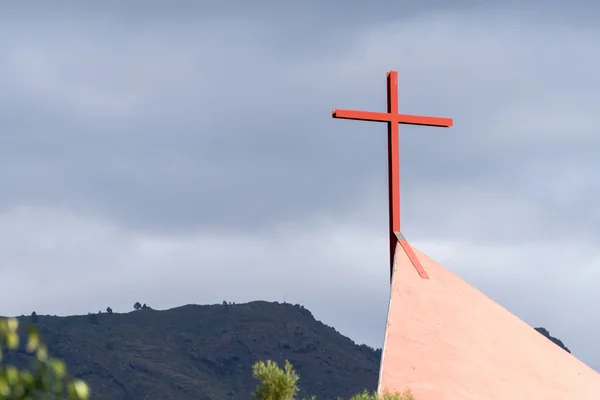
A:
(446, 340)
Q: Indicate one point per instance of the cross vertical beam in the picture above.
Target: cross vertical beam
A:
(392, 118)
(393, 165)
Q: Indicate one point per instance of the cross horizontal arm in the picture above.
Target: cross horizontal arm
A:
(387, 117)
(424, 121)
(362, 115)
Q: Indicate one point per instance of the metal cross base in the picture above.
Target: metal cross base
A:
(411, 255)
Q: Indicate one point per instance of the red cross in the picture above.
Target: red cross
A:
(393, 119)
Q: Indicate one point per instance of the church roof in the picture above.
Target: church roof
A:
(445, 339)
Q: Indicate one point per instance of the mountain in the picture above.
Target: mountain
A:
(554, 340)
(206, 352)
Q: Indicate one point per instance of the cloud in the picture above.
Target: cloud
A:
(172, 159)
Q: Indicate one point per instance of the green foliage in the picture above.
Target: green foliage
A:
(275, 383)
(407, 395)
(48, 377)
(282, 384)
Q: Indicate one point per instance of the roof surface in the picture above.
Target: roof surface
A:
(446, 340)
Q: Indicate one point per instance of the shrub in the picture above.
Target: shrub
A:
(48, 376)
(282, 384)
(275, 383)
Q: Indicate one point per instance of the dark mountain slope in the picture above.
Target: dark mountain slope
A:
(205, 352)
(554, 340)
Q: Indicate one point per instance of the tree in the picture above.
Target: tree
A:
(144, 306)
(225, 306)
(137, 305)
(34, 317)
(282, 384)
(48, 376)
(109, 310)
(275, 383)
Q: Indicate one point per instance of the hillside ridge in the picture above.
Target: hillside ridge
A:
(204, 351)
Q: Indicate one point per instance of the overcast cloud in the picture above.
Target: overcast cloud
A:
(186, 154)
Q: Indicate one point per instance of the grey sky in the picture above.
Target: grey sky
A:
(187, 154)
